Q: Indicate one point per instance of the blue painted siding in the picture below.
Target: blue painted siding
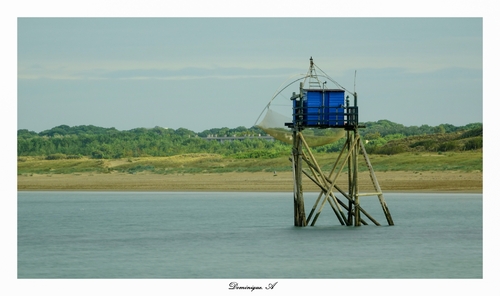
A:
(335, 111)
(322, 108)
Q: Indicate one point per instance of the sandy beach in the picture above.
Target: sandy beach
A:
(444, 181)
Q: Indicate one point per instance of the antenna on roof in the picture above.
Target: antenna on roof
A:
(355, 81)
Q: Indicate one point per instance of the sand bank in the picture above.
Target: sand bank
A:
(445, 181)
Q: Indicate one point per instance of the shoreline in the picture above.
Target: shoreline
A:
(390, 181)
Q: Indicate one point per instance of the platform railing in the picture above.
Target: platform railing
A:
(325, 117)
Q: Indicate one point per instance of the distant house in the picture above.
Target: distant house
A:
(234, 138)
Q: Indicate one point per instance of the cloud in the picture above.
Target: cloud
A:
(188, 73)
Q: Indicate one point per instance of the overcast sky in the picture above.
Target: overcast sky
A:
(202, 73)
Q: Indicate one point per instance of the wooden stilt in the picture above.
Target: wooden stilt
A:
(299, 211)
(357, 221)
(349, 181)
(327, 184)
(377, 186)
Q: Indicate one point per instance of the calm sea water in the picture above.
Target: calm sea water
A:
(243, 236)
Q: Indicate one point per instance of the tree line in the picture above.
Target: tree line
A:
(98, 142)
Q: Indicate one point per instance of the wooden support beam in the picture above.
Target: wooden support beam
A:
(313, 208)
(331, 186)
(357, 216)
(369, 194)
(317, 181)
(377, 186)
(316, 166)
(342, 219)
(354, 210)
(299, 211)
(324, 189)
(322, 177)
(349, 182)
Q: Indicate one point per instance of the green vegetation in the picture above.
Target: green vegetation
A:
(214, 163)
(392, 146)
(109, 143)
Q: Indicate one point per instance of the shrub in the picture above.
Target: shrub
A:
(97, 154)
(473, 133)
(427, 144)
(73, 156)
(447, 146)
(390, 150)
(55, 156)
(258, 154)
(472, 144)
(140, 168)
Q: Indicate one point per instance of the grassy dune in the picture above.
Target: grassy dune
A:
(214, 163)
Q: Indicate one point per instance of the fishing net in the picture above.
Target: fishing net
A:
(273, 123)
(272, 119)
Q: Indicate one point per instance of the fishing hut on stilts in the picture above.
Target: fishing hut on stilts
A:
(319, 107)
